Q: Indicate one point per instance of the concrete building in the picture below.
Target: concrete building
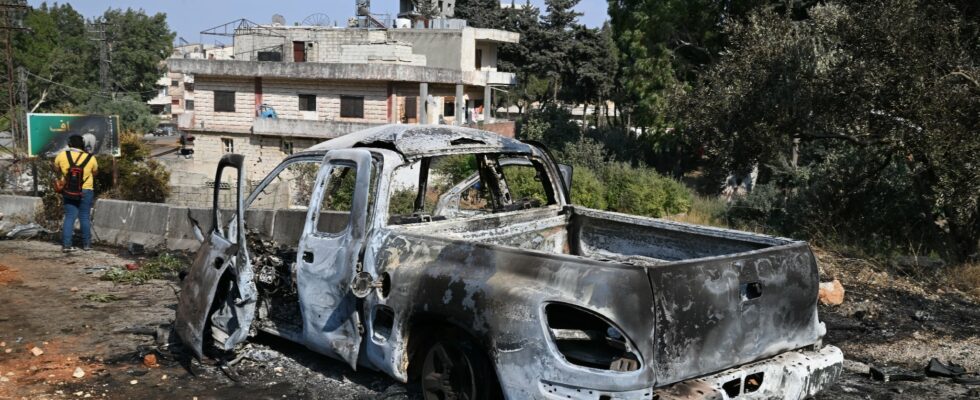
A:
(323, 82)
(176, 90)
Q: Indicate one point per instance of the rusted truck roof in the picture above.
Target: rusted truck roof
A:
(420, 140)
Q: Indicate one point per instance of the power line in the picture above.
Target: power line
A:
(89, 91)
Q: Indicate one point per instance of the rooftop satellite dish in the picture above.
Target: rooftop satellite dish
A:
(278, 19)
(318, 19)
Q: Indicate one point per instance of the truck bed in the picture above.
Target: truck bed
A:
(721, 298)
(599, 235)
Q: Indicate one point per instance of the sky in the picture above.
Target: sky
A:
(189, 17)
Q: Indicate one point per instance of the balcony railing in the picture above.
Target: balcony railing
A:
(306, 128)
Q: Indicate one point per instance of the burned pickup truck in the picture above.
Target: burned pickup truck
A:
(454, 257)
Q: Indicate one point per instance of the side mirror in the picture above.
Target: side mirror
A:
(566, 175)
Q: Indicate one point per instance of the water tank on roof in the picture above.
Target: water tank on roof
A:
(278, 19)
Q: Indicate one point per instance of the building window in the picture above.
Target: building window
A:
(479, 59)
(449, 109)
(228, 145)
(189, 86)
(189, 105)
(173, 82)
(175, 102)
(286, 147)
(352, 106)
(411, 107)
(224, 101)
(307, 102)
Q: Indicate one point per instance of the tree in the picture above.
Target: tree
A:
(139, 43)
(553, 51)
(58, 55)
(480, 13)
(882, 97)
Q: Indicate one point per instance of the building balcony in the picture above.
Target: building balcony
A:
(300, 128)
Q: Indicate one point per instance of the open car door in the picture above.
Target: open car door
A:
(226, 321)
(329, 249)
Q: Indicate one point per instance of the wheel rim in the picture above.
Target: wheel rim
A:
(447, 374)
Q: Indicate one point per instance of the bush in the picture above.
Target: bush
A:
(139, 177)
(642, 191)
(587, 189)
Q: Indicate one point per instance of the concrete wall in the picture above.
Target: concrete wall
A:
(204, 115)
(442, 48)
(283, 95)
(165, 226)
(19, 208)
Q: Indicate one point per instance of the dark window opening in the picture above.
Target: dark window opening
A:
(351, 107)
(224, 101)
(189, 86)
(479, 59)
(411, 107)
(307, 102)
(449, 109)
(189, 105)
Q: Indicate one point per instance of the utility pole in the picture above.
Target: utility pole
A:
(11, 19)
(97, 34)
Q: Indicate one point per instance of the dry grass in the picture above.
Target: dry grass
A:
(967, 278)
(704, 210)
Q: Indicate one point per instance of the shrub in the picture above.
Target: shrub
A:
(642, 191)
(587, 189)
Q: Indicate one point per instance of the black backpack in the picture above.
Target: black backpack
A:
(75, 177)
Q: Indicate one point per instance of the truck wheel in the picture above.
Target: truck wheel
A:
(453, 369)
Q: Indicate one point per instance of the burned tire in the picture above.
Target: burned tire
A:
(453, 368)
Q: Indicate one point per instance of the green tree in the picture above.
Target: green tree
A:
(139, 43)
(879, 95)
(480, 13)
(58, 56)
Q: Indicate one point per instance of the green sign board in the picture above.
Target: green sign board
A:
(48, 133)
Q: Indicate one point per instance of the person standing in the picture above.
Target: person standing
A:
(78, 169)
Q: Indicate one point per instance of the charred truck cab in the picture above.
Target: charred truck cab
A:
(454, 256)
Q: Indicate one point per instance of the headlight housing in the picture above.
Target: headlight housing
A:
(585, 338)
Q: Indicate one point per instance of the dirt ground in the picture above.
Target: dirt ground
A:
(50, 301)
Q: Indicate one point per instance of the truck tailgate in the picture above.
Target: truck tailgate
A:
(719, 312)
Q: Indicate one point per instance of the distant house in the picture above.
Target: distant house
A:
(324, 81)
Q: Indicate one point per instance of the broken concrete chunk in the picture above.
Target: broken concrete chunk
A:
(78, 372)
(150, 360)
(831, 293)
(36, 351)
(893, 374)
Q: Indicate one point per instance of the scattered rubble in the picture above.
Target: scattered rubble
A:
(36, 351)
(150, 361)
(26, 231)
(79, 373)
(831, 293)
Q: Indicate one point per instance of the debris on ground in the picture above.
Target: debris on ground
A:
(79, 373)
(101, 297)
(36, 351)
(26, 231)
(150, 360)
(831, 293)
(136, 249)
(936, 368)
(894, 374)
